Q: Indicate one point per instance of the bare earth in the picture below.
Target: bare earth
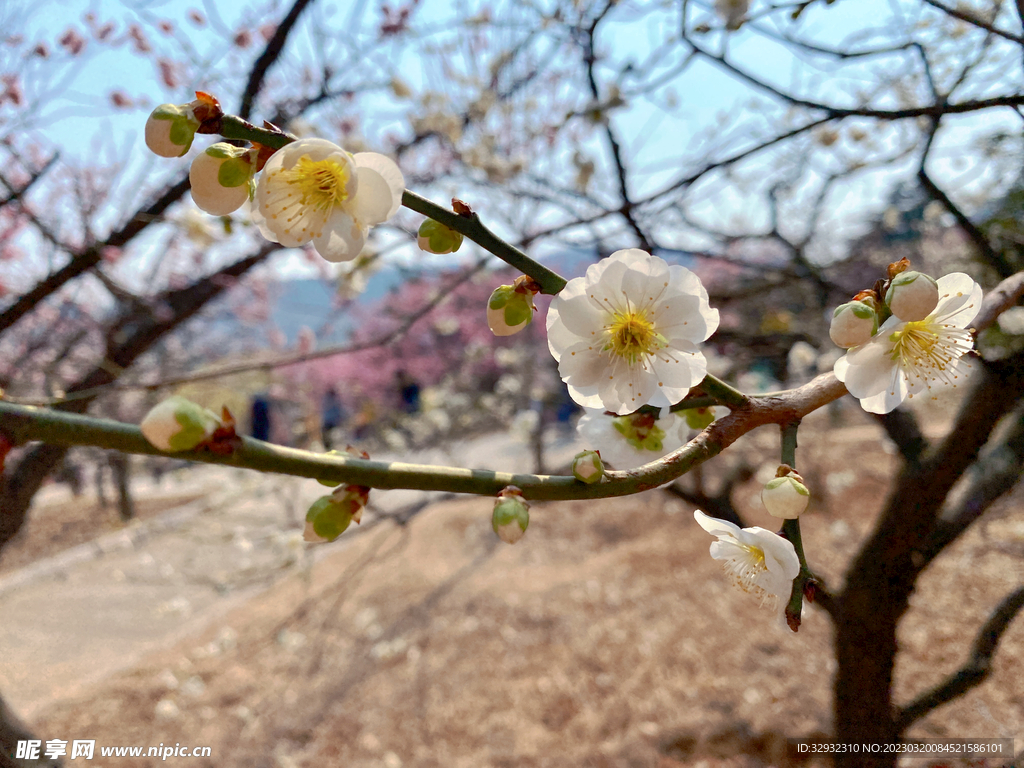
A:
(607, 637)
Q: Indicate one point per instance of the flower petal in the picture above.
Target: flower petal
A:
(372, 204)
(389, 171)
(959, 300)
(341, 238)
(716, 526)
(869, 368)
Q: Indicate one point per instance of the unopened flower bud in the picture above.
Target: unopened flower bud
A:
(178, 424)
(435, 237)
(329, 516)
(912, 296)
(509, 310)
(170, 129)
(588, 467)
(699, 418)
(221, 178)
(786, 496)
(511, 515)
(641, 430)
(853, 324)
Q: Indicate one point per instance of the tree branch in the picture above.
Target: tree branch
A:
(975, 670)
(25, 423)
(270, 55)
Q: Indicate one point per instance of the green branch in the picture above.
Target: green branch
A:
(21, 424)
(550, 282)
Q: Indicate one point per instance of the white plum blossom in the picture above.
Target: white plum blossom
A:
(631, 441)
(908, 358)
(312, 190)
(626, 334)
(759, 561)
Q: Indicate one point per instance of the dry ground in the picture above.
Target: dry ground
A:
(607, 637)
(55, 526)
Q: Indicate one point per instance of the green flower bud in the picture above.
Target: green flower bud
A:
(220, 178)
(912, 296)
(511, 515)
(641, 430)
(435, 237)
(509, 310)
(699, 418)
(329, 516)
(786, 497)
(178, 424)
(853, 324)
(170, 129)
(588, 467)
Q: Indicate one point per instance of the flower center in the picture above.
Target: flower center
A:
(747, 570)
(323, 184)
(919, 349)
(631, 335)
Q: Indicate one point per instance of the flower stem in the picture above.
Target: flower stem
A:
(723, 393)
(471, 226)
(791, 529)
(550, 282)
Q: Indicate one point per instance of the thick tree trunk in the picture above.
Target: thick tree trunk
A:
(881, 579)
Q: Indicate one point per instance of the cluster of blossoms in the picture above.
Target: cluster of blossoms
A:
(310, 191)
(910, 343)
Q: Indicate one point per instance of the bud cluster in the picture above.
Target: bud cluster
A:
(908, 295)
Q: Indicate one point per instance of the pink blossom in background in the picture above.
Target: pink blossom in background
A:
(168, 73)
(72, 42)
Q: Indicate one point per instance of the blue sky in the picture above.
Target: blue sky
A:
(709, 103)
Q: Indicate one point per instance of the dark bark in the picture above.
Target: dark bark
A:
(133, 334)
(120, 466)
(12, 730)
(882, 577)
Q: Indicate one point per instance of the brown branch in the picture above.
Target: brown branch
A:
(970, 229)
(998, 300)
(270, 55)
(993, 475)
(970, 18)
(133, 334)
(975, 670)
(881, 578)
(280, 361)
(91, 256)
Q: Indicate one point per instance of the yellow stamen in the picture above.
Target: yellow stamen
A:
(631, 335)
(321, 183)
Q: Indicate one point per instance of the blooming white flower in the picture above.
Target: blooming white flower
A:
(908, 358)
(313, 190)
(630, 441)
(220, 178)
(626, 334)
(760, 562)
